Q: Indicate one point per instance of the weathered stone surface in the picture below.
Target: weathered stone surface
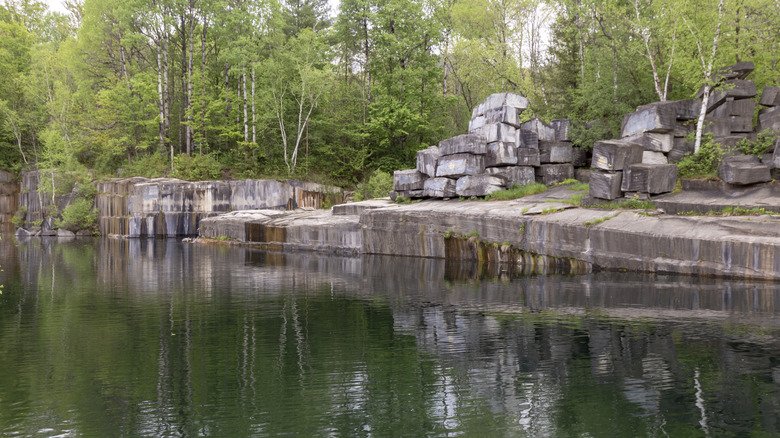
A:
(508, 115)
(478, 185)
(741, 124)
(427, 159)
(743, 108)
(494, 132)
(658, 117)
(650, 157)
(579, 157)
(527, 139)
(520, 175)
(649, 178)
(652, 141)
(501, 154)
(543, 130)
(769, 119)
(583, 175)
(736, 88)
(776, 155)
(21, 232)
(355, 208)
(687, 109)
(743, 169)
(555, 152)
(499, 100)
(770, 96)
(410, 194)
(740, 70)
(641, 196)
(439, 188)
(562, 128)
(65, 234)
(528, 157)
(616, 155)
(718, 126)
(605, 185)
(550, 174)
(466, 143)
(682, 129)
(411, 179)
(458, 165)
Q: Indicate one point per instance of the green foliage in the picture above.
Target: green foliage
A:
(149, 166)
(703, 163)
(80, 215)
(579, 186)
(599, 220)
(379, 185)
(196, 167)
(731, 211)
(19, 216)
(764, 144)
(517, 192)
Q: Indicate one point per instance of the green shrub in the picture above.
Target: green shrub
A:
(78, 216)
(19, 216)
(196, 167)
(764, 144)
(516, 192)
(379, 185)
(149, 166)
(703, 163)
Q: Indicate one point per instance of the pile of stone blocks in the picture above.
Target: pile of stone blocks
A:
(769, 116)
(497, 153)
(619, 172)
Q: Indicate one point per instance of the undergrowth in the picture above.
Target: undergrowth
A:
(517, 191)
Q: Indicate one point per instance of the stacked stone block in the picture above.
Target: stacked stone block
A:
(610, 159)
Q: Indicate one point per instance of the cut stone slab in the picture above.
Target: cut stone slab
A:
(769, 119)
(770, 96)
(583, 175)
(550, 174)
(616, 155)
(659, 117)
(579, 157)
(408, 194)
(650, 157)
(640, 196)
(650, 178)
(494, 132)
(562, 128)
(743, 170)
(527, 139)
(743, 108)
(736, 88)
(542, 130)
(741, 124)
(546, 208)
(520, 175)
(687, 109)
(508, 115)
(776, 155)
(65, 233)
(476, 123)
(458, 165)
(740, 70)
(605, 185)
(718, 126)
(555, 152)
(356, 208)
(427, 159)
(466, 143)
(498, 100)
(478, 185)
(528, 157)
(410, 179)
(501, 154)
(439, 188)
(652, 141)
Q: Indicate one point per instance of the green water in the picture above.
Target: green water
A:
(105, 338)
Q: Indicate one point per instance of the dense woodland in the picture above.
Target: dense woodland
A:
(278, 88)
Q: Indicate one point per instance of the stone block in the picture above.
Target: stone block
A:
(411, 179)
(616, 155)
(682, 129)
(605, 185)
(554, 151)
(776, 155)
(550, 174)
(408, 194)
(770, 96)
(718, 126)
(743, 108)
(723, 110)
(649, 178)
(498, 100)
(542, 130)
(769, 119)
(439, 188)
(476, 123)
(562, 128)
(741, 124)
(660, 117)
(527, 139)
(427, 159)
(681, 147)
(743, 170)
(528, 157)
(740, 70)
(508, 115)
(736, 88)
(520, 175)
(478, 185)
(455, 166)
(730, 141)
(650, 157)
(466, 143)
(687, 109)
(501, 154)
(579, 157)
(583, 175)
(640, 196)
(652, 141)
(494, 132)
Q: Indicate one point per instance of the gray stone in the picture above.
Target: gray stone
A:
(615, 155)
(554, 152)
(427, 159)
(466, 143)
(527, 139)
(682, 129)
(718, 126)
(7, 177)
(730, 141)
(65, 233)
(21, 232)
(478, 185)
(583, 175)
(650, 118)
(439, 188)
(687, 109)
(743, 108)
(770, 96)
(543, 130)
(494, 132)
(776, 155)
(650, 157)
(476, 123)
(458, 165)
(769, 119)
(84, 233)
(507, 114)
(411, 179)
(741, 123)
(356, 208)
(740, 70)
(652, 141)
(736, 88)
(605, 185)
(501, 154)
(649, 178)
(562, 128)
(640, 196)
(520, 175)
(528, 157)
(411, 194)
(498, 100)
(550, 174)
(579, 157)
(743, 170)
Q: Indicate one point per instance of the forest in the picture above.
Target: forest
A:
(307, 89)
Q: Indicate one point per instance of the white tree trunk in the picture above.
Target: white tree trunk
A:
(707, 67)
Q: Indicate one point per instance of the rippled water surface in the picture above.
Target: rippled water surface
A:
(158, 338)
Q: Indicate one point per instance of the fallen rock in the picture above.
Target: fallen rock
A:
(494, 132)
(520, 175)
(527, 157)
(439, 188)
(542, 130)
(458, 165)
(555, 152)
(411, 179)
(652, 141)
(501, 154)
(658, 117)
(769, 119)
(615, 155)
(466, 143)
(427, 159)
(478, 185)
(650, 157)
(743, 170)
(770, 96)
(562, 128)
(498, 100)
(649, 178)
(527, 139)
(605, 185)
(550, 174)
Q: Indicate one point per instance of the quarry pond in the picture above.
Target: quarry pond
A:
(156, 337)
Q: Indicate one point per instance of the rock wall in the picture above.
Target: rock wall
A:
(9, 200)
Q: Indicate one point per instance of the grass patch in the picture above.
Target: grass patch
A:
(551, 210)
(579, 186)
(567, 181)
(730, 211)
(516, 192)
(631, 204)
(600, 220)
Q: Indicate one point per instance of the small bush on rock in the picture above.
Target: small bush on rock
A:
(379, 185)
(703, 163)
(78, 216)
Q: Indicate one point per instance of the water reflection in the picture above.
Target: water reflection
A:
(158, 338)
